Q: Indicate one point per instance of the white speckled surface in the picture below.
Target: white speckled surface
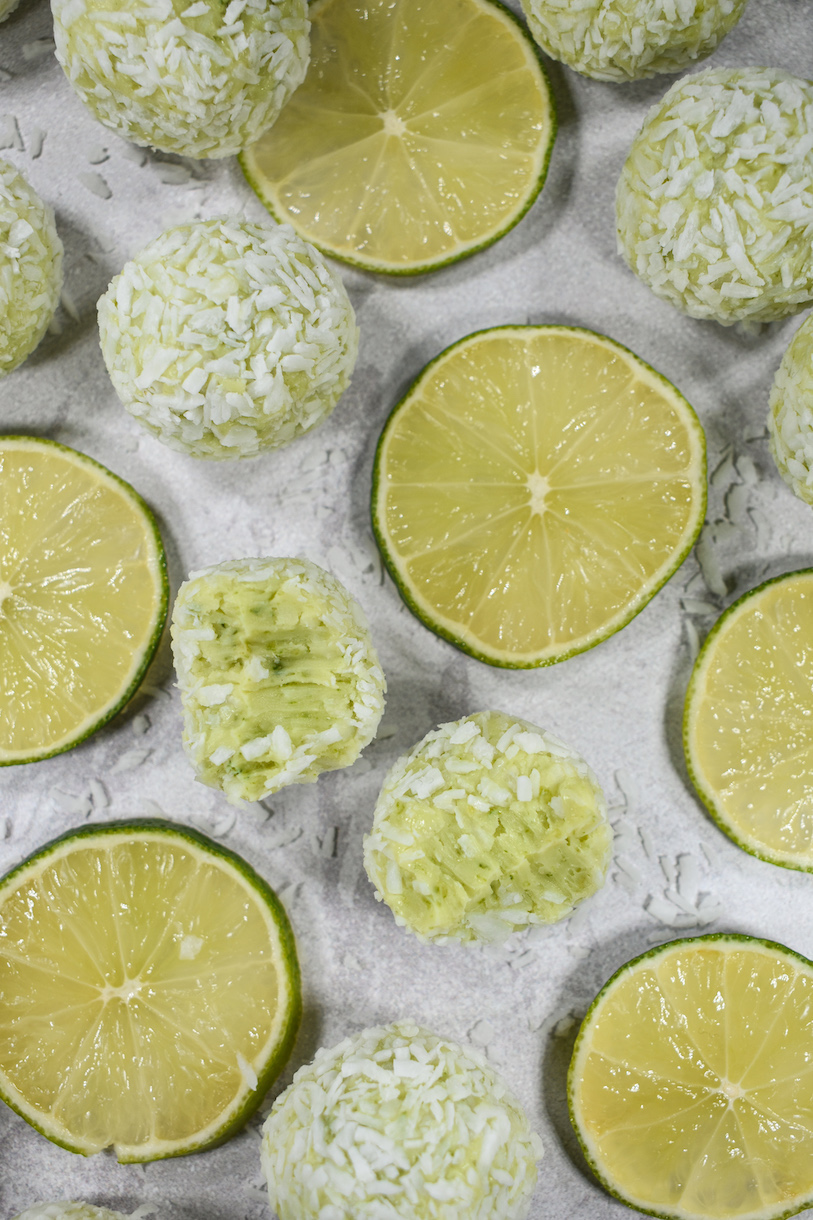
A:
(619, 704)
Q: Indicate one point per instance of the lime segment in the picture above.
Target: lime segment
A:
(689, 1085)
(149, 990)
(83, 596)
(421, 133)
(534, 489)
(747, 721)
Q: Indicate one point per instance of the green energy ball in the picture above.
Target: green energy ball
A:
(399, 1123)
(715, 198)
(225, 338)
(622, 40)
(278, 676)
(790, 421)
(489, 824)
(30, 268)
(202, 78)
(68, 1211)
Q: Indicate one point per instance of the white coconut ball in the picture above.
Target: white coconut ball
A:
(202, 78)
(715, 198)
(622, 40)
(30, 268)
(790, 421)
(225, 338)
(397, 1122)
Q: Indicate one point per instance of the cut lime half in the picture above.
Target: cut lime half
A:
(149, 990)
(748, 719)
(533, 490)
(83, 596)
(422, 133)
(689, 1086)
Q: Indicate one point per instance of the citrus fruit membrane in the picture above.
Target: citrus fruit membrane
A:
(83, 596)
(422, 132)
(149, 990)
(533, 490)
(746, 724)
(689, 1086)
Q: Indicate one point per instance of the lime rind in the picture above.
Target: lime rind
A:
(425, 613)
(378, 267)
(703, 790)
(159, 568)
(732, 938)
(290, 1000)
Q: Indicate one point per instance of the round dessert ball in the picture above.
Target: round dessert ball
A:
(398, 1122)
(622, 40)
(202, 78)
(30, 268)
(489, 824)
(278, 676)
(715, 197)
(224, 337)
(790, 421)
(68, 1211)
(7, 7)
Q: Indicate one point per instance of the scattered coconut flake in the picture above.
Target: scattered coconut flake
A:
(141, 724)
(36, 139)
(693, 605)
(736, 502)
(96, 184)
(98, 794)
(692, 639)
(67, 802)
(97, 154)
(173, 175)
(133, 153)
(646, 842)
(151, 807)
(38, 48)
(68, 304)
(10, 133)
(709, 564)
(746, 468)
(129, 760)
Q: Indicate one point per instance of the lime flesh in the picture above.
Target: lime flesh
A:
(422, 133)
(533, 490)
(149, 990)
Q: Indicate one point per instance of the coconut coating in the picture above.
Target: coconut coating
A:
(715, 198)
(30, 268)
(398, 1124)
(489, 824)
(623, 40)
(790, 420)
(7, 7)
(278, 676)
(202, 79)
(224, 337)
(68, 1211)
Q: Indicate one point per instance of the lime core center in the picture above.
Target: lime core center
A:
(538, 487)
(393, 124)
(128, 990)
(730, 1090)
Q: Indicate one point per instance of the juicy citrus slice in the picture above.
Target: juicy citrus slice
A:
(422, 133)
(689, 1086)
(149, 990)
(746, 725)
(83, 596)
(533, 489)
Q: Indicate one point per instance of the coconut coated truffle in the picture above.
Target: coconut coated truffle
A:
(489, 824)
(790, 421)
(278, 676)
(7, 7)
(224, 337)
(68, 1211)
(715, 198)
(398, 1124)
(623, 40)
(30, 268)
(196, 77)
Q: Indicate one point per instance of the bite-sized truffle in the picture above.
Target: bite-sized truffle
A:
(715, 198)
(398, 1123)
(278, 675)
(30, 268)
(790, 420)
(201, 78)
(489, 824)
(68, 1211)
(224, 337)
(623, 40)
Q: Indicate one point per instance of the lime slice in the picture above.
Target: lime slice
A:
(689, 1086)
(149, 990)
(746, 725)
(533, 490)
(422, 133)
(83, 596)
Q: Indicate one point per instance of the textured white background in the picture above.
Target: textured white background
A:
(619, 704)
